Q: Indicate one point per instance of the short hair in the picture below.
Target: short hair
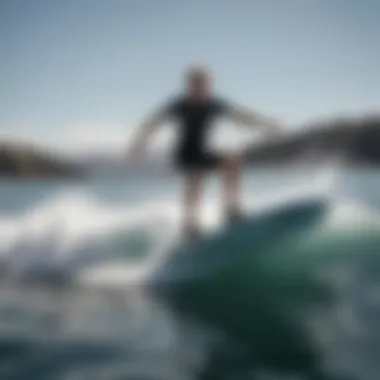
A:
(197, 71)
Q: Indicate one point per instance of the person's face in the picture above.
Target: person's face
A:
(199, 84)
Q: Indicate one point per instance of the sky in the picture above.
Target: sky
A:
(83, 73)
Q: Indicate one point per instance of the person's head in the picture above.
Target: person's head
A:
(198, 81)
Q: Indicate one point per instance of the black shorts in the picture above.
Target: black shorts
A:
(195, 161)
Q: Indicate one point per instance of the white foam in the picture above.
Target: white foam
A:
(72, 225)
(61, 227)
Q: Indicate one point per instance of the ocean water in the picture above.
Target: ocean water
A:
(77, 299)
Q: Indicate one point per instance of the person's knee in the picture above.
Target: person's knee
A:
(231, 162)
(194, 184)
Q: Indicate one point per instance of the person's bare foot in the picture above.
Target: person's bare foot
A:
(191, 234)
(234, 215)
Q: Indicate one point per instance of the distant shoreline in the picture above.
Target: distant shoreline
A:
(356, 141)
(29, 162)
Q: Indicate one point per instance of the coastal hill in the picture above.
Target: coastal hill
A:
(24, 161)
(357, 141)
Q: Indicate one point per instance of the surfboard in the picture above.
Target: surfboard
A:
(223, 248)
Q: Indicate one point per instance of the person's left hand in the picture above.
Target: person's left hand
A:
(275, 130)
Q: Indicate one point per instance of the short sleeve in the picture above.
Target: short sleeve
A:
(169, 109)
(222, 106)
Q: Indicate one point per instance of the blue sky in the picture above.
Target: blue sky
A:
(86, 71)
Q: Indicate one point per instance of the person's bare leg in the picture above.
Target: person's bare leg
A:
(193, 188)
(231, 177)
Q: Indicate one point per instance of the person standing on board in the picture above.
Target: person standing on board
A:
(195, 112)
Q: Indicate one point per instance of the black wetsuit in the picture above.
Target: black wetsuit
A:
(195, 119)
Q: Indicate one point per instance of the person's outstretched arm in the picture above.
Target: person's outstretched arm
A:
(250, 118)
(147, 129)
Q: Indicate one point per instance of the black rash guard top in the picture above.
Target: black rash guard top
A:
(194, 119)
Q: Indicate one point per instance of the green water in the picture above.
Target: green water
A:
(303, 304)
